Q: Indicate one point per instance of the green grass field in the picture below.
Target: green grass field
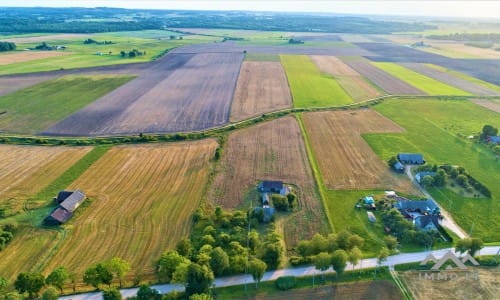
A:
(87, 55)
(424, 83)
(437, 128)
(309, 87)
(36, 108)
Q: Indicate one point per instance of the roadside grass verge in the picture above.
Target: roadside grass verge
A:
(309, 87)
(33, 109)
(429, 85)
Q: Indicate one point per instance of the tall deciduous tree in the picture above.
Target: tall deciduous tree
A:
(199, 279)
(119, 267)
(257, 268)
(354, 256)
(30, 283)
(111, 294)
(219, 261)
(339, 261)
(322, 262)
(58, 277)
(167, 264)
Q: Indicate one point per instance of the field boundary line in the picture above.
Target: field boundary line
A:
(402, 287)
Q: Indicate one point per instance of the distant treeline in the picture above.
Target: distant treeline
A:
(88, 20)
(468, 37)
(7, 46)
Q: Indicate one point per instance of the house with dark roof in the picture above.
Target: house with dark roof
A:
(68, 202)
(421, 206)
(269, 186)
(399, 167)
(411, 158)
(427, 222)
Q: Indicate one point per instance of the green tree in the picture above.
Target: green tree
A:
(167, 264)
(119, 267)
(463, 245)
(98, 274)
(30, 283)
(339, 261)
(354, 256)
(440, 178)
(462, 180)
(145, 292)
(184, 247)
(427, 181)
(257, 268)
(111, 294)
(50, 293)
(198, 280)
(200, 297)
(355, 241)
(382, 256)
(488, 130)
(392, 161)
(279, 202)
(271, 255)
(180, 274)
(219, 261)
(322, 262)
(292, 200)
(3, 283)
(58, 278)
(72, 279)
(391, 242)
(475, 245)
(471, 245)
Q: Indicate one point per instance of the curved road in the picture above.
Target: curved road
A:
(447, 221)
(301, 271)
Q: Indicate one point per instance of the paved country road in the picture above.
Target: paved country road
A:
(301, 271)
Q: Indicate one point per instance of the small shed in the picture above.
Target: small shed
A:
(390, 194)
(371, 217)
(411, 158)
(368, 200)
(399, 167)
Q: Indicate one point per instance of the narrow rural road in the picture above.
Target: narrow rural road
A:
(447, 221)
(301, 271)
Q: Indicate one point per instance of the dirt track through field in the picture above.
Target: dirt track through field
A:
(450, 79)
(185, 92)
(350, 80)
(346, 161)
(384, 80)
(143, 198)
(262, 87)
(273, 150)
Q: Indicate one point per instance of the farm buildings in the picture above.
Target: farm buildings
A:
(411, 158)
(68, 202)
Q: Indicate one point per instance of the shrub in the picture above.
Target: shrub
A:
(286, 282)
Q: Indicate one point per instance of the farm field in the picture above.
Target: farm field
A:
(270, 151)
(458, 50)
(492, 104)
(351, 81)
(345, 160)
(38, 107)
(16, 57)
(437, 129)
(183, 92)
(461, 288)
(262, 87)
(309, 87)
(474, 80)
(450, 79)
(384, 80)
(424, 83)
(25, 171)
(142, 208)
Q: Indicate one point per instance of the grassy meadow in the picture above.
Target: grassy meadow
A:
(35, 108)
(438, 129)
(309, 87)
(428, 85)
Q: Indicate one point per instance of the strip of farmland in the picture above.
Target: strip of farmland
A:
(493, 104)
(16, 57)
(262, 87)
(354, 84)
(270, 151)
(143, 198)
(309, 87)
(345, 160)
(450, 79)
(193, 93)
(424, 83)
(384, 80)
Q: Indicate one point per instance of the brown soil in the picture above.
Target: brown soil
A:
(270, 151)
(262, 87)
(332, 65)
(345, 159)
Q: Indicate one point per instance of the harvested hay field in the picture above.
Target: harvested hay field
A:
(486, 287)
(270, 151)
(384, 80)
(26, 170)
(142, 200)
(345, 160)
(193, 92)
(372, 290)
(45, 38)
(12, 58)
(262, 87)
(352, 82)
(492, 104)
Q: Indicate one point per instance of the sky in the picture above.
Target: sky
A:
(474, 9)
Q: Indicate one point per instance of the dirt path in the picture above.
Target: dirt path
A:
(448, 221)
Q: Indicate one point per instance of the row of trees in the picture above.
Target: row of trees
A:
(132, 53)
(7, 232)
(7, 46)
(92, 41)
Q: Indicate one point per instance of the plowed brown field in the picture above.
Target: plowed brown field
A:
(143, 200)
(11, 58)
(270, 151)
(492, 104)
(25, 171)
(262, 87)
(346, 161)
(350, 80)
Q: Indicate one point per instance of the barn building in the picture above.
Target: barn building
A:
(67, 202)
(411, 158)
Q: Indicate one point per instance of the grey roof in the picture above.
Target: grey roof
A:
(60, 215)
(269, 185)
(422, 205)
(494, 139)
(73, 201)
(423, 221)
(414, 157)
(62, 195)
